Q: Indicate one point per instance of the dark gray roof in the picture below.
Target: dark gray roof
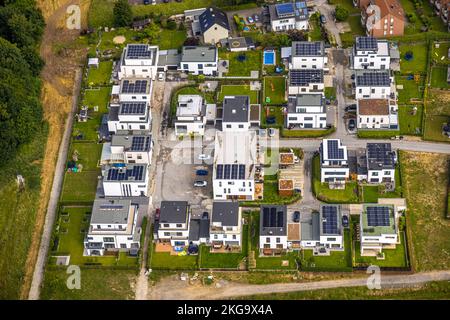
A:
(289, 9)
(305, 100)
(212, 16)
(174, 212)
(226, 212)
(110, 211)
(330, 223)
(198, 228)
(113, 114)
(308, 48)
(310, 230)
(303, 77)
(133, 142)
(273, 220)
(366, 78)
(380, 156)
(236, 109)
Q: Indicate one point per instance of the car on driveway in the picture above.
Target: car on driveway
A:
(351, 124)
(296, 217)
(350, 108)
(271, 132)
(161, 76)
(157, 214)
(200, 183)
(204, 157)
(250, 20)
(201, 172)
(345, 221)
(262, 132)
(256, 18)
(323, 19)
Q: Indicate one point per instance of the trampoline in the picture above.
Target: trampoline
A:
(269, 57)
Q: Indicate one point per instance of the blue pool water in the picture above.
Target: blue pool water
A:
(269, 57)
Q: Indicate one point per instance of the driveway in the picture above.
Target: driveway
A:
(328, 10)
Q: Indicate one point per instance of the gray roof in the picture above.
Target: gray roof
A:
(174, 212)
(113, 114)
(305, 100)
(198, 54)
(308, 48)
(136, 143)
(239, 42)
(169, 58)
(366, 43)
(330, 223)
(212, 16)
(110, 211)
(236, 109)
(273, 220)
(226, 212)
(198, 228)
(310, 230)
(380, 156)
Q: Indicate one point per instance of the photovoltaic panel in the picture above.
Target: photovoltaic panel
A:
(136, 51)
(227, 172)
(273, 217)
(303, 77)
(305, 48)
(330, 220)
(132, 108)
(241, 171)
(138, 86)
(140, 143)
(334, 152)
(380, 153)
(219, 171)
(378, 216)
(366, 43)
(285, 9)
(373, 79)
(116, 174)
(234, 171)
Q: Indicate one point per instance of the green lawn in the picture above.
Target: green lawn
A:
(241, 67)
(377, 134)
(438, 113)
(96, 284)
(347, 4)
(348, 38)
(315, 33)
(166, 261)
(293, 133)
(89, 154)
(330, 93)
(100, 75)
(412, 91)
(325, 194)
(440, 55)
(271, 196)
(234, 90)
(101, 13)
(410, 124)
(439, 77)
(418, 64)
(274, 89)
(433, 127)
(80, 186)
(276, 112)
(209, 97)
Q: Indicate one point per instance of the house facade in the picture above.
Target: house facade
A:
(377, 114)
(289, 16)
(392, 18)
(139, 61)
(128, 148)
(190, 116)
(135, 90)
(334, 167)
(125, 180)
(214, 25)
(129, 116)
(226, 224)
(370, 53)
(306, 111)
(373, 84)
(331, 231)
(381, 161)
(308, 55)
(199, 60)
(174, 223)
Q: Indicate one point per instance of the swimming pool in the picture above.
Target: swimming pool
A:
(269, 57)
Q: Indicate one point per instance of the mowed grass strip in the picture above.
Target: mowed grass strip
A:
(238, 90)
(274, 89)
(80, 186)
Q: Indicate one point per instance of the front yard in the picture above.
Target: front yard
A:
(437, 113)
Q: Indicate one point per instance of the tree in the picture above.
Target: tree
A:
(192, 41)
(123, 16)
(296, 35)
(341, 13)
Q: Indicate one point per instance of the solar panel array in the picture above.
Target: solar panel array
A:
(305, 48)
(138, 86)
(334, 152)
(111, 207)
(373, 79)
(380, 153)
(330, 220)
(285, 10)
(366, 43)
(132, 108)
(140, 144)
(304, 77)
(230, 171)
(120, 174)
(378, 216)
(273, 218)
(136, 51)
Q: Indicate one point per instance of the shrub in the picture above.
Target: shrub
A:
(341, 13)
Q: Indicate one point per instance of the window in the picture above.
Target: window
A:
(108, 239)
(234, 237)
(215, 237)
(228, 126)
(123, 245)
(166, 225)
(179, 225)
(278, 240)
(179, 234)
(267, 240)
(200, 66)
(241, 126)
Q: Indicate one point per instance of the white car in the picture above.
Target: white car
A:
(200, 183)
(271, 132)
(161, 76)
(204, 157)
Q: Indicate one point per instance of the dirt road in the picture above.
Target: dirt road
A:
(174, 289)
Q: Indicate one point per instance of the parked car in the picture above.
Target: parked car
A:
(205, 215)
(350, 108)
(351, 124)
(271, 132)
(256, 18)
(270, 120)
(200, 183)
(161, 76)
(296, 217)
(262, 132)
(250, 20)
(397, 138)
(323, 19)
(157, 214)
(201, 172)
(204, 156)
(345, 221)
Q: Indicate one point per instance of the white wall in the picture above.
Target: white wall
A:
(379, 175)
(139, 71)
(272, 242)
(311, 88)
(331, 240)
(374, 62)
(122, 189)
(215, 34)
(194, 127)
(373, 121)
(338, 173)
(209, 68)
(235, 126)
(288, 24)
(307, 120)
(224, 188)
(373, 92)
(299, 62)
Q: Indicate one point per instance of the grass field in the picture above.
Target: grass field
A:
(80, 186)
(242, 67)
(286, 133)
(18, 213)
(88, 154)
(315, 34)
(163, 260)
(438, 113)
(419, 61)
(424, 181)
(232, 90)
(96, 284)
(410, 124)
(274, 89)
(432, 290)
(412, 91)
(439, 77)
(100, 75)
(276, 112)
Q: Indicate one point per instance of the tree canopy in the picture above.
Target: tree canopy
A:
(341, 13)
(123, 16)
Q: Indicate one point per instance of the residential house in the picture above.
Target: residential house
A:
(379, 164)
(235, 164)
(308, 55)
(442, 8)
(199, 60)
(273, 229)
(239, 44)
(371, 84)
(310, 232)
(305, 81)
(289, 16)
(333, 162)
(214, 25)
(236, 114)
(191, 115)
(392, 18)
(226, 224)
(129, 116)
(199, 229)
(378, 229)
(306, 111)
(370, 53)
(377, 114)
(113, 227)
(125, 180)
(139, 61)
(133, 90)
(174, 222)
(331, 231)
(128, 148)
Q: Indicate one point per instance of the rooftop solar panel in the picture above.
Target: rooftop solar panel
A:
(132, 108)
(241, 171)
(219, 171)
(378, 216)
(373, 79)
(366, 43)
(126, 174)
(285, 9)
(140, 144)
(230, 171)
(380, 153)
(136, 51)
(305, 48)
(273, 217)
(334, 152)
(330, 220)
(227, 172)
(303, 77)
(138, 86)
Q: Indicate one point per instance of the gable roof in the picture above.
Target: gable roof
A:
(368, 107)
(212, 16)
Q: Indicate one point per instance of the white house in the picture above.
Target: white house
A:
(236, 114)
(174, 223)
(191, 115)
(127, 180)
(235, 161)
(126, 148)
(305, 81)
(378, 229)
(372, 84)
(380, 160)
(288, 16)
(139, 61)
(273, 229)
(377, 114)
(134, 90)
(308, 55)
(113, 227)
(226, 224)
(331, 234)
(199, 60)
(214, 25)
(130, 116)
(306, 111)
(333, 162)
(370, 53)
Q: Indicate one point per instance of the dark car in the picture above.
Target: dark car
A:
(345, 221)
(323, 19)
(157, 214)
(296, 217)
(351, 124)
(271, 120)
(350, 108)
(201, 172)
